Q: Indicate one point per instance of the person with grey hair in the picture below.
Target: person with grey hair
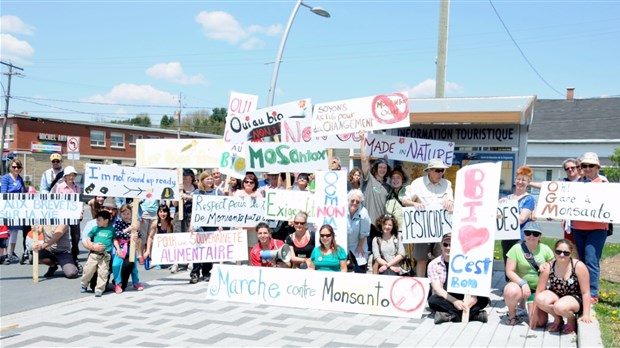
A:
(335, 163)
(358, 230)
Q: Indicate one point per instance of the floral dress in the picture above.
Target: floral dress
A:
(569, 287)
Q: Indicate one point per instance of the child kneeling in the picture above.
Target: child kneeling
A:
(100, 237)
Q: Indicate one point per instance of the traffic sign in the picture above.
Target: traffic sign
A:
(73, 144)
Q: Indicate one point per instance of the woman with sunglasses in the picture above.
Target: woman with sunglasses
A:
(12, 182)
(569, 288)
(358, 230)
(387, 250)
(525, 261)
(302, 241)
(328, 256)
(249, 189)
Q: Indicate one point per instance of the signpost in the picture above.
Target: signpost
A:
(73, 149)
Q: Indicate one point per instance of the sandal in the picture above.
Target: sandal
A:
(514, 321)
(556, 326)
(568, 329)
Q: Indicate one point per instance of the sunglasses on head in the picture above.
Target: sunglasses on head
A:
(570, 168)
(388, 216)
(531, 233)
(590, 166)
(562, 252)
(55, 161)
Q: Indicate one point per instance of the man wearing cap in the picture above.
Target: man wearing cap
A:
(50, 177)
(449, 306)
(70, 186)
(431, 190)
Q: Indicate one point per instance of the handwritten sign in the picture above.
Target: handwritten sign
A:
(240, 103)
(130, 182)
(332, 291)
(233, 160)
(408, 149)
(369, 113)
(23, 209)
(189, 247)
(299, 130)
(508, 226)
(425, 225)
(280, 157)
(475, 210)
(579, 201)
(255, 125)
(283, 205)
(226, 211)
(330, 199)
(179, 153)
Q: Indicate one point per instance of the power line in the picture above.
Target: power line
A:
(22, 98)
(521, 51)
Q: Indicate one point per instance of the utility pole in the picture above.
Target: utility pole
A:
(6, 106)
(178, 117)
(442, 48)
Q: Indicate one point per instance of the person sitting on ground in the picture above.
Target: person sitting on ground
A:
(56, 250)
(449, 306)
(387, 249)
(569, 290)
(524, 261)
(265, 242)
(100, 237)
(329, 256)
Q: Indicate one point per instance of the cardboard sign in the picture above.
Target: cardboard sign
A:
(25, 209)
(332, 291)
(179, 153)
(241, 103)
(190, 247)
(299, 130)
(226, 211)
(369, 113)
(425, 225)
(255, 125)
(279, 157)
(233, 160)
(130, 182)
(508, 226)
(579, 201)
(330, 200)
(408, 149)
(283, 205)
(473, 226)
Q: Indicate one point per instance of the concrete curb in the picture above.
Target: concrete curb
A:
(589, 335)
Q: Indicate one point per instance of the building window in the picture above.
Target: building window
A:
(117, 140)
(133, 138)
(97, 138)
(9, 132)
(549, 176)
(153, 137)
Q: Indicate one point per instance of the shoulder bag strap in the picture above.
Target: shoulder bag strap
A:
(530, 259)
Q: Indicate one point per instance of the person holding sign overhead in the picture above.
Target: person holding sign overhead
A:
(428, 190)
(329, 256)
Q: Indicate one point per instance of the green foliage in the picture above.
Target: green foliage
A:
(142, 119)
(219, 115)
(613, 173)
(167, 122)
(203, 122)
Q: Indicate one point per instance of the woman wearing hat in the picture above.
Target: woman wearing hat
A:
(590, 236)
(70, 186)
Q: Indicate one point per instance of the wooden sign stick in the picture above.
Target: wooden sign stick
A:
(465, 318)
(135, 205)
(35, 254)
(180, 205)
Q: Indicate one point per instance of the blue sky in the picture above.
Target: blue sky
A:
(104, 60)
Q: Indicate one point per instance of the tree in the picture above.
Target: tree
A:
(167, 122)
(142, 119)
(203, 122)
(219, 114)
(613, 172)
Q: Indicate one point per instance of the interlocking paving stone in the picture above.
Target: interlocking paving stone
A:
(124, 339)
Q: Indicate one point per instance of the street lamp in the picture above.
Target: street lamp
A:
(276, 67)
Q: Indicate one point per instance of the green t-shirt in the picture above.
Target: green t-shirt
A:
(524, 268)
(329, 262)
(103, 235)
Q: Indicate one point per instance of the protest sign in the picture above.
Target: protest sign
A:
(408, 149)
(255, 125)
(283, 205)
(473, 225)
(508, 226)
(333, 291)
(369, 113)
(299, 130)
(178, 153)
(26, 209)
(240, 103)
(226, 211)
(130, 182)
(579, 201)
(280, 157)
(425, 225)
(190, 247)
(233, 160)
(330, 201)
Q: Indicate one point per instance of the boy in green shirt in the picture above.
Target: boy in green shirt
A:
(102, 234)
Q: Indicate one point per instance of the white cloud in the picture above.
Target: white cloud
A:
(426, 89)
(15, 50)
(173, 72)
(13, 24)
(220, 25)
(132, 93)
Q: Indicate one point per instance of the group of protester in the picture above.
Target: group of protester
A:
(556, 284)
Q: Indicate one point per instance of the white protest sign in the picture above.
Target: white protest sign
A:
(333, 291)
(25, 209)
(579, 201)
(130, 182)
(409, 149)
(299, 130)
(283, 205)
(369, 113)
(473, 226)
(178, 153)
(192, 247)
(257, 124)
(330, 201)
(240, 103)
(425, 225)
(233, 162)
(226, 211)
(508, 226)
(280, 157)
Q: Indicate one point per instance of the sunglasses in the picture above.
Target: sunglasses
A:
(532, 233)
(446, 245)
(388, 216)
(439, 170)
(562, 252)
(298, 223)
(355, 201)
(55, 161)
(570, 168)
(248, 182)
(590, 166)
(16, 167)
(325, 235)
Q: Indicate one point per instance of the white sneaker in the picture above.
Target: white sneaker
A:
(174, 268)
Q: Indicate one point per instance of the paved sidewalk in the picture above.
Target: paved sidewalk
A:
(171, 312)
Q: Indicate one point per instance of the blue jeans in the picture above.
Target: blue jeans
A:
(590, 245)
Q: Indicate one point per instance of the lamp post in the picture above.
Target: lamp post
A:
(274, 76)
